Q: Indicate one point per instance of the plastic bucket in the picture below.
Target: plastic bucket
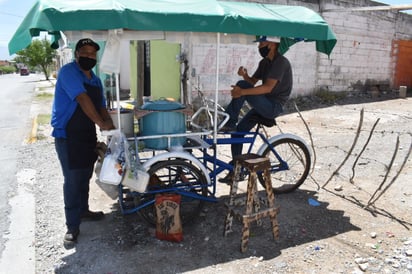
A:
(165, 120)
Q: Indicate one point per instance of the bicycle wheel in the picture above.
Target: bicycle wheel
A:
(170, 176)
(290, 164)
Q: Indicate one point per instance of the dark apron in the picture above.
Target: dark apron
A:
(81, 133)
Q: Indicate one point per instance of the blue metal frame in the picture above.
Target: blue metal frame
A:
(218, 167)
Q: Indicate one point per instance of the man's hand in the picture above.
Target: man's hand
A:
(242, 71)
(236, 91)
(107, 125)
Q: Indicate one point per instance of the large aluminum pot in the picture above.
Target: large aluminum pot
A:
(166, 120)
(126, 121)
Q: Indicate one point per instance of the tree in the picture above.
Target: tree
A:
(38, 54)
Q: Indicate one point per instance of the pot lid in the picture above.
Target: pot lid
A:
(162, 104)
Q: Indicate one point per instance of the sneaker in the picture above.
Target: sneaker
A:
(229, 178)
(92, 216)
(71, 235)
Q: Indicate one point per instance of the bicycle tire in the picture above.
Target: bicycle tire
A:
(176, 173)
(291, 175)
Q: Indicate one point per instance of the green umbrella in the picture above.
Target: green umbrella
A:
(292, 23)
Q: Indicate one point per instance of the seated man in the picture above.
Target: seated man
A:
(267, 99)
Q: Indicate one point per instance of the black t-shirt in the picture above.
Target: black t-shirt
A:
(280, 70)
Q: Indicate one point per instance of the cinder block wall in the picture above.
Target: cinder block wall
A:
(362, 58)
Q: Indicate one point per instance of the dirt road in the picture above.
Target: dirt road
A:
(322, 229)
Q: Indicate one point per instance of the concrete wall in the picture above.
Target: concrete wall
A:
(362, 57)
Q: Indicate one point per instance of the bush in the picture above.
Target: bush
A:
(7, 69)
(328, 97)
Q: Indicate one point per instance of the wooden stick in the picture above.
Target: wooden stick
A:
(350, 150)
(395, 177)
(387, 170)
(310, 136)
(363, 149)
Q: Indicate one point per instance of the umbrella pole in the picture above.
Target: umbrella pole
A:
(118, 100)
(216, 87)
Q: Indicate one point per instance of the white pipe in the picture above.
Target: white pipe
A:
(118, 100)
(217, 88)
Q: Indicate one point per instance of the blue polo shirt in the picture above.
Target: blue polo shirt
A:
(69, 85)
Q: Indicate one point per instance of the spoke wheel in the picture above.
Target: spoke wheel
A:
(175, 175)
(290, 167)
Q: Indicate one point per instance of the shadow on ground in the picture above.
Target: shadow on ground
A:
(130, 245)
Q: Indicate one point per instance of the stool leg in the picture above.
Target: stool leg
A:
(245, 236)
(249, 208)
(234, 185)
(256, 203)
(228, 223)
(250, 193)
(271, 202)
(232, 194)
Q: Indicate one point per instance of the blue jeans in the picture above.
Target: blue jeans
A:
(260, 104)
(75, 187)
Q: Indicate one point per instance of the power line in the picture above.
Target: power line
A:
(11, 14)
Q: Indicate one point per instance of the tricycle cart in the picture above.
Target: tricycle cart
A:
(190, 168)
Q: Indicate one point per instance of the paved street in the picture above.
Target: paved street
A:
(16, 201)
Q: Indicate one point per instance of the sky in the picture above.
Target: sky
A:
(12, 13)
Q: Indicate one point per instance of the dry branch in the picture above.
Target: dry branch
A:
(363, 149)
(310, 136)
(394, 178)
(350, 150)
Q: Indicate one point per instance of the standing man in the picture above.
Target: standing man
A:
(266, 99)
(78, 106)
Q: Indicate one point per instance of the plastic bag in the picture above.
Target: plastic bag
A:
(110, 62)
(136, 177)
(114, 162)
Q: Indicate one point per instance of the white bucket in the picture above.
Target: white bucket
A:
(402, 91)
(126, 121)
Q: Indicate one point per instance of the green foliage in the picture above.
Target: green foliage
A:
(329, 97)
(43, 119)
(7, 69)
(45, 95)
(38, 54)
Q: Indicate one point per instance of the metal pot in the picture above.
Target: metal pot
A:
(164, 121)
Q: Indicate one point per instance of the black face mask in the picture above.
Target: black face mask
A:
(264, 51)
(86, 63)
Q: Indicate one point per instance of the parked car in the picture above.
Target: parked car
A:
(24, 72)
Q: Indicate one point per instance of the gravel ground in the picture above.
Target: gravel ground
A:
(335, 235)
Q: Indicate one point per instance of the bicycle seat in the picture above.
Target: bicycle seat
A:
(262, 120)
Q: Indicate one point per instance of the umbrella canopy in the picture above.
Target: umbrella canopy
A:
(291, 23)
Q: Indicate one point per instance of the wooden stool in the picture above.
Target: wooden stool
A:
(253, 163)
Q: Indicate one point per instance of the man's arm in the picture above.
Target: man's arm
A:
(262, 89)
(243, 72)
(88, 108)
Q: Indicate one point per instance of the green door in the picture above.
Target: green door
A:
(164, 70)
